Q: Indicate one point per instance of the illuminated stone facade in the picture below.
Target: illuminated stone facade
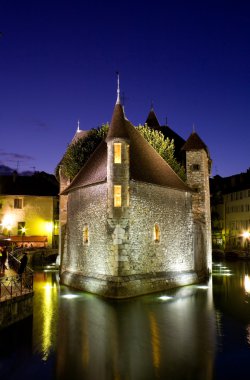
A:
(150, 234)
(29, 209)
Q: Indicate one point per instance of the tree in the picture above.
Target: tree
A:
(80, 151)
(164, 146)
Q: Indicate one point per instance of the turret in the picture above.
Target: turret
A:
(198, 167)
(118, 163)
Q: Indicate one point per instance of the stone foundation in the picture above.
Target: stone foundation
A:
(128, 286)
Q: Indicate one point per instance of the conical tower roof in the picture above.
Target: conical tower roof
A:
(117, 127)
(146, 165)
(194, 142)
(152, 120)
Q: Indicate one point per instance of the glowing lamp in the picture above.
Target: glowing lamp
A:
(246, 234)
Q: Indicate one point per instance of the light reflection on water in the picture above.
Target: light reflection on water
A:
(199, 332)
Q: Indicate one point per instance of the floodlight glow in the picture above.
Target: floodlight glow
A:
(202, 287)
(247, 283)
(246, 234)
(165, 298)
(7, 222)
(69, 296)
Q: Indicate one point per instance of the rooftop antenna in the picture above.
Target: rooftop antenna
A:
(118, 100)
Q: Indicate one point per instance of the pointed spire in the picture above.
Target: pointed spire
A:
(78, 126)
(118, 100)
(193, 128)
(152, 120)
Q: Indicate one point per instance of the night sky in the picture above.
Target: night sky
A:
(58, 63)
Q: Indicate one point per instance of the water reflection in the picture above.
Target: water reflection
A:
(153, 337)
(45, 313)
(196, 332)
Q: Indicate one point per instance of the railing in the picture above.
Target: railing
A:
(13, 286)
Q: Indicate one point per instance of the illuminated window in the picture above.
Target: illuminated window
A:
(117, 153)
(157, 233)
(117, 195)
(18, 203)
(85, 234)
(128, 198)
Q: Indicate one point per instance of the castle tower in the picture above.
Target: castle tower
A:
(118, 185)
(198, 167)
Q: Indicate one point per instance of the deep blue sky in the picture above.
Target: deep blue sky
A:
(58, 61)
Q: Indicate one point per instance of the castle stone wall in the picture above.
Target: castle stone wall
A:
(87, 207)
(172, 211)
(121, 258)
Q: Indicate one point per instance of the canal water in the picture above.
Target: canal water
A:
(199, 332)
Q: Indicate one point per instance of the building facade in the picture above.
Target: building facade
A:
(29, 209)
(231, 211)
(129, 224)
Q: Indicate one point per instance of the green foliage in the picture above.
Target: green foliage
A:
(165, 147)
(79, 152)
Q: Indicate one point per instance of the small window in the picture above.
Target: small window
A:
(117, 195)
(157, 233)
(85, 234)
(117, 153)
(18, 203)
(195, 167)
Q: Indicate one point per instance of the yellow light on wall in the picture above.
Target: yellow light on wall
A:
(48, 226)
(8, 222)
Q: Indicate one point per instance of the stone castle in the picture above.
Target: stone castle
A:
(129, 224)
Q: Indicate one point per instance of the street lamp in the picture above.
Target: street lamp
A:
(23, 230)
(7, 223)
(246, 236)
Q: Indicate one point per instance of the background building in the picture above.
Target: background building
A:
(29, 209)
(230, 206)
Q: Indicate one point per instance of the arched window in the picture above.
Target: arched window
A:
(117, 153)
(128, 197)
(85, 234)
(157, 233)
